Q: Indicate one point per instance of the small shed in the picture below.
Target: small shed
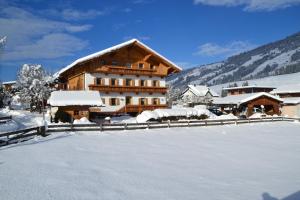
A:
(248, 103)
(76, 104)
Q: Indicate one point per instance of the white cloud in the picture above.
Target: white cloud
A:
(27, 32)
(251, 5)
(72, 14)
(48, 47)
(212, 49)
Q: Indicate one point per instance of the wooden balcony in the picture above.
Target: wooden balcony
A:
(136, 89)
(140, 108)
(128, 71)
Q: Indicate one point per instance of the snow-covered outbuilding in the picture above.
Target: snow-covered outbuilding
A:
(198, 94)
(248, 103)
(76, 104)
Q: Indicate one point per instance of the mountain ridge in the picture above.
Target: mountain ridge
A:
(275, 58)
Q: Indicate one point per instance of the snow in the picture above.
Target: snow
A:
(253, 59)
(201, 90)
(242, 98)
(9, 82)
(259, 115)
(20, 119)
(229, 116)
(291, 100)
(295, 88)
(272, 81)
(78, 98)
(83, 120)
(111, 49)
(173, 112)
(248, 162)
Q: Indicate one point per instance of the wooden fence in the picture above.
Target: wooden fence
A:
(21, 135)
(153, 125)
(5, 119)
(29, 133)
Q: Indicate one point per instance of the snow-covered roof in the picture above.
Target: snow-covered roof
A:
(201, 90)
(249, 86)
(9, 82)
(242, 98)
(291, 100)
(295, 88)
(75, 98)
(111, 49)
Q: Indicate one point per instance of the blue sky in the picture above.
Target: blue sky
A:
(188, 32)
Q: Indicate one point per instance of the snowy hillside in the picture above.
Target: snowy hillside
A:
(281, 57)
(245, 162)
(286, 80)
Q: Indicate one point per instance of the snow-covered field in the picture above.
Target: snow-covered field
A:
(244, 162)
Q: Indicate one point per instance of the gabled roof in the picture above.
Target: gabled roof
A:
(9, 82)
(75, 98)
(114, 48)
(242, 98)
(248, 86)
(287, 89)
(201, 90)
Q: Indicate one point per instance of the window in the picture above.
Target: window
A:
(128, 65)
(114, 63)
(143, 101)
(113, 82)
(128, 82)
(155, 83)
(143, 83)
(98, 81)
(141, 65)
(103, 100)
(152, 67)
(102, 62)
(114, 101)
(76, 112)
(155, 101)
(128, 100)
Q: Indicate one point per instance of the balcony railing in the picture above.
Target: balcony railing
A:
(107, 88)
(128, 71)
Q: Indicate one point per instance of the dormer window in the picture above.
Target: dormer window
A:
(141, 65)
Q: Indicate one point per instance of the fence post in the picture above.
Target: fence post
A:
(71, 126)
(188, 123)
(169, 125)
(125, 126)
(148, 126)
(42, 131)
(101, 127)
(236, 122)
(205, 122)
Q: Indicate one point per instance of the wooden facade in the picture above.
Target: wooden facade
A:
(271, 106)
(247, 90)
(130, 71)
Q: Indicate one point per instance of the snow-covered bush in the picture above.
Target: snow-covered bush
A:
(33, 84)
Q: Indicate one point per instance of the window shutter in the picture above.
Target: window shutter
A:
(110, 102)
(118, 101)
